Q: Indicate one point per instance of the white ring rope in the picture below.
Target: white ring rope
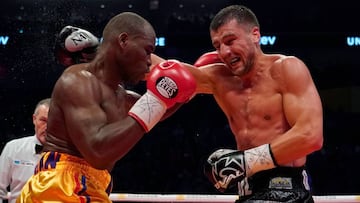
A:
(133, 197)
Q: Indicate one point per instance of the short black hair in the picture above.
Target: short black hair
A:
(241, 13)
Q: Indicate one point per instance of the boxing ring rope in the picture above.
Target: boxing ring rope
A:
(134, 197)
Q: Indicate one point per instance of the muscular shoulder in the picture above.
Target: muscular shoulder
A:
(288, 70)
(284, 61)
(74, 73)
(76, 81)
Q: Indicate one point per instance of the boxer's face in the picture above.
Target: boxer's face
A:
(139, 56)
(235, 45)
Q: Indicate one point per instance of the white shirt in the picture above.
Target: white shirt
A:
(17, 163)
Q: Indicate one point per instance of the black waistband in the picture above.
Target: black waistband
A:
(280, 178)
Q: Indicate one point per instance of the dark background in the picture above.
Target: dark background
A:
(169, 158)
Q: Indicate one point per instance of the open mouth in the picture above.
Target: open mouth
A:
(234, 61)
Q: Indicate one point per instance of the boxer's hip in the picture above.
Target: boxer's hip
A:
(66, 178)
(282, 184)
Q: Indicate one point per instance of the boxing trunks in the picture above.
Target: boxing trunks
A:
(61, 177)
(281, 184)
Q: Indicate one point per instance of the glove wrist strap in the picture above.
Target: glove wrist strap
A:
(148, 111)
(258, 159)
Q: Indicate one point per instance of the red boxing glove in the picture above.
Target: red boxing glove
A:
(208, 58)
(168, 83)
(171, 82)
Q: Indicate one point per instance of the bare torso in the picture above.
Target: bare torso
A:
(253, 108)
(111, 102)
(254, 113)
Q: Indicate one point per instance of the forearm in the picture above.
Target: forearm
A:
(306, 142)
(111, 143)
(171, 111)
(155, 59)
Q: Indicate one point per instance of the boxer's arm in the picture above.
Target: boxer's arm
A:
(226, 167)
(132, 97)
(303, 111)
(101, 132)
(88, 125)
(169, 83)
(155, 60)
(203, 75)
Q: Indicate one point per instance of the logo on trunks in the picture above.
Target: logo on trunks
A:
(228, 171)
(280, 183)
(167, 87)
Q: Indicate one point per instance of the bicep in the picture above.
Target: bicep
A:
(83, 121)
(202, 75)
(302, 102)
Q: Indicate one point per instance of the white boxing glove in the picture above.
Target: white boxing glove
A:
(79, 40)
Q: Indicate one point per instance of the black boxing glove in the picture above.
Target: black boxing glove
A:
(226, 167)
(75, 45)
